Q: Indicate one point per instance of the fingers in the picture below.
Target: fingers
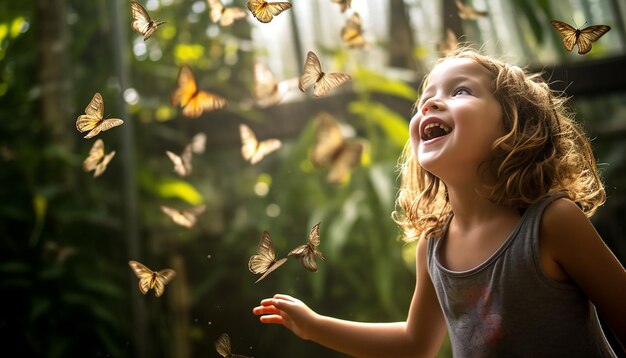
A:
(265, 310)
(272, 319)
(281, 296)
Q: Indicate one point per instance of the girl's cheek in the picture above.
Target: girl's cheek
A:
(414, 128)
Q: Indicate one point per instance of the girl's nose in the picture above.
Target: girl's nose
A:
(431, 104)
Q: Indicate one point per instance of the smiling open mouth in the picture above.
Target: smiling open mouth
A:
(435, 130)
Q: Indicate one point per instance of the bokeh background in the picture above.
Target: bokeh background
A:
(66, 237)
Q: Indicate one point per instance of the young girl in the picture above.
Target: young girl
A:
(497, 185)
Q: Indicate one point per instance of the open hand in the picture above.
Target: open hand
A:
(289, 312)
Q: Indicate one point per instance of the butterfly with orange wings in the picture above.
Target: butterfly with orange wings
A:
(92, 120)
(251, 149)
(149, 279)
(332, 150)
(467, 12)
(309, 252)
(581, 37)
(322, 82)
(352, 32)
(193, 101)
(222, 345)
(225, 15)
(142, 22)
(345, 4)
(264, 262)
(186, 218)
(265, 11)
(97, 160)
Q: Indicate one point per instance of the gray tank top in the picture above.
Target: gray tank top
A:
(507, 306)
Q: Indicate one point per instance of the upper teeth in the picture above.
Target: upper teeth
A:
(440, 125)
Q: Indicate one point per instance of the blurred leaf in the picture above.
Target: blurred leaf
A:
(370, 81)
(395, 126)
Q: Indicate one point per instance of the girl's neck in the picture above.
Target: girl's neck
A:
(471, 208)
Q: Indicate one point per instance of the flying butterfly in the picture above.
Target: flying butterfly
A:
(92, 120)
(267, 90)
(186, 218)
(149, 279)
(97, 160)
(193, 101)
(251, 149)
(581, 37)
(345, 4)
(352, 32)
(333, 151)
(265, 11)
(198, 143)
(225, 15)
(322, 82)
(467, 12)
(142, 22)
(264, 262)
(182, 163)
(222, 345)
(309, 252)
(449, 44)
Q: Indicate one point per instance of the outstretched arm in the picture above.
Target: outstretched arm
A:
(420, 336)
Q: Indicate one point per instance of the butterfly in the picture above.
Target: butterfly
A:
(182, 163)
(198, 143)
(186, 218)
(449, 44)
(192, 100)
(264, 262)
(581, 37)
(251, 149)
(92, 119)
(151, 279)
(267, 90)
(345, 4)
(142, 23)
(96, 160)
(321, 82)
(333, 151)
(352, 32)
(225, 15)
(222, 345)
(265, 11)
(467, 12)
(309, 252)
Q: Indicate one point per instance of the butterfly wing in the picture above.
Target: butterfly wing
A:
(201, 102)
(265, 256)
(328, 140)
(144, 275)
(104, 125)
(186, 86)
(222, 345)
(93, 114)
(186, 159)
(101, 167)
(349, 156)
(198, 143)
(264, 81)
(567, 32)
(178, 217)
(142, 23)
(96, 153)
(249, 142)
(162, 278)
(232, 14)
(180, 167)
(265, 147)
(589, 35)
(352, 32)
(468, 12)
(215, 10)
(329, 81)
(265, 11)
(345, 4)
(450, 43)
(272, 267)
(312, 71)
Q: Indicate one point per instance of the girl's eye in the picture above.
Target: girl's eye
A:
(459, 91)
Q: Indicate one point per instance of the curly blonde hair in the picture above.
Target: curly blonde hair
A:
(543, 152)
